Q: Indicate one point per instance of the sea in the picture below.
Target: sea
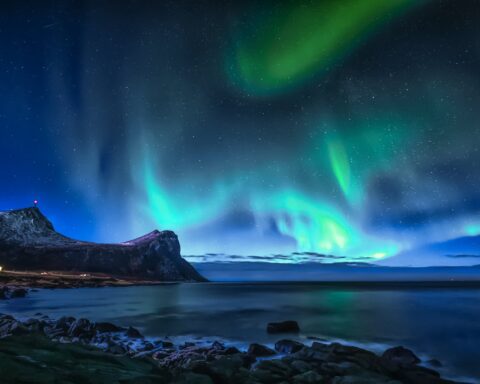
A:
(435, 321)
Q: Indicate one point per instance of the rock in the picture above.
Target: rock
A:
(18, 292)
(218, 345)
(102, 327)
(81, 328)
(288, 326)
(367, 378)
(435, 363)
(190, 378)
(272, 371)
(307, 377)
(260, 350)
(300, 366)
(288, 346)
(133, 333)
(9, 326)
(394, 359)
(166, 344)
(65, 322)
(343, 368)
(221, 370)
(421, 375)
(116, 349)
(231, 351)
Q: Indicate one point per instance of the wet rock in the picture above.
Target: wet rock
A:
(9, 326)
(307, 377)
(260, 350)
(343, 368)
(421, 375)
(103, 327)
(288, 346)
(134, 333)
(360, 356)
(116, 349)
(231, 351)
(272, 371)
(397, 358)
(300, 366)
(288, 326)
(190, 377)
(18, 292)
(217, 345)
(166, 344)
(435, 363)
(81, 328)
(221, 370)
(367, 378)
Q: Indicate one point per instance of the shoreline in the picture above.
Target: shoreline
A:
(209, 362)
(30, 280)
(64, 279)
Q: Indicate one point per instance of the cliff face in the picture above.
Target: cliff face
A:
(28, 241)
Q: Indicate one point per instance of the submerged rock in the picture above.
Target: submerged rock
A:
(288, 326)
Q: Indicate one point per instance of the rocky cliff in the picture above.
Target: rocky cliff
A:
(28, 241)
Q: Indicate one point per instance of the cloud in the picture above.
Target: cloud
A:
(462, 256)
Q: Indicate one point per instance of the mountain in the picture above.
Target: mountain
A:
(28, 241)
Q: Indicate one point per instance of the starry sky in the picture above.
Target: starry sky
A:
(280, 129)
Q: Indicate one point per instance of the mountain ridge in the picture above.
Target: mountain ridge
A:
(29, 241)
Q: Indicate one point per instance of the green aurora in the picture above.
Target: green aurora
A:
(290, 42)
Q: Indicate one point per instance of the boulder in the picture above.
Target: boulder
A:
(18, 292)
(288, 326)
(134, 333)
(288, 346)
(260, 350)
(397, 358)
(307, 378)
(103, 327)
(81, 328)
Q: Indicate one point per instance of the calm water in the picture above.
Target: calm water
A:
(435, 322)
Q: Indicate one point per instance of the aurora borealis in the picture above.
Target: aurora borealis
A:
(341, 128)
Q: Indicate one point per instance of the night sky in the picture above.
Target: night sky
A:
(250, 128)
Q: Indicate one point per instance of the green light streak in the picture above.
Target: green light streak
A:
(319, 227)
(289, 43)
(340, 164)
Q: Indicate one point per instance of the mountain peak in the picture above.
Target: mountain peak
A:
(28, 241)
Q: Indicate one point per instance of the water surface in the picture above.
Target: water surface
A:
(435, 322)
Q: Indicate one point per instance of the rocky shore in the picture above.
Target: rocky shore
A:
(118, 354)
(17, 283)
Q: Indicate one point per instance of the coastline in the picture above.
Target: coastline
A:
(29, 280)
(127, 347)
(37, 343)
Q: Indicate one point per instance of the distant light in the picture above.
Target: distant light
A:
(379, 255)
(1, 268)
(35, 202)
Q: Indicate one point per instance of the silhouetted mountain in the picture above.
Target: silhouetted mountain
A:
(28, 241)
